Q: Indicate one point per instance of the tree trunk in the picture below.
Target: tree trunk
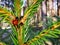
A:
(44, 14)
(58, 6)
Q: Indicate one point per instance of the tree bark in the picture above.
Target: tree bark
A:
(44, 14)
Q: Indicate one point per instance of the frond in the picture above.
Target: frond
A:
(14, 35)
(51, 32)
(31, 10)
(17, 7)
(2, 43)
(6, 12)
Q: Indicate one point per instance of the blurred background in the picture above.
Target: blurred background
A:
(47, 13)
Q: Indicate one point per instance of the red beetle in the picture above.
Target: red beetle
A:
(15, 22)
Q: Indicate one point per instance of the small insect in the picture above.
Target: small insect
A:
(15, 21)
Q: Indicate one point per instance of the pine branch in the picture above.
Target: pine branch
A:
(20, 40)
(17, 7)
(5, 12)
(2, 43)
(30, 10)
(44, 33)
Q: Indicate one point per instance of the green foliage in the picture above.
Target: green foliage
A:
(2, 43)
(5, 36)
(28, 35)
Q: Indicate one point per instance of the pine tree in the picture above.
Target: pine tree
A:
(23, 33)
